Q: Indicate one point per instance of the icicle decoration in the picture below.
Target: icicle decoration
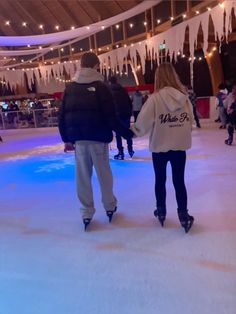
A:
(117, 59)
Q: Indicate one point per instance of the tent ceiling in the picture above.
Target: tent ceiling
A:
(52, 13)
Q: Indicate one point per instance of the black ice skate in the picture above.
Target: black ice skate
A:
(110, 213)
(160, 213)
(131, 153)
(86, 222)
(186, 221)
(229, 141)
(1, 139)
(119, 156)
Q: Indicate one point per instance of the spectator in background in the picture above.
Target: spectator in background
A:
(123, 107)
(221, 96)
(230, 104)
(38, 107)
(137, 100)
(56, 103)
(193, 98)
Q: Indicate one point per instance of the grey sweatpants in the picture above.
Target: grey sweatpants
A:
(89, 154)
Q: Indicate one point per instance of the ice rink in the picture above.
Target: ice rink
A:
(49, 265)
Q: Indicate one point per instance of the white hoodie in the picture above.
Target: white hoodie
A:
(168, 115)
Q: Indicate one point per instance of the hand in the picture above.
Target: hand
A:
(68, 147)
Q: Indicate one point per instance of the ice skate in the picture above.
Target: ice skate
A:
(228, 141)
(131, 153)
(110, 213)
(160, 213)
(1, 139)
(119, 156)
(186, 221)
(86, 222)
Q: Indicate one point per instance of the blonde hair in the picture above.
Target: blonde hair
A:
(166, 76)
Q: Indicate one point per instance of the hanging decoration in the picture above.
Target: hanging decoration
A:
(116, 60)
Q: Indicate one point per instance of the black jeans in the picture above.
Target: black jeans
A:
(177, 160)
(126, 123)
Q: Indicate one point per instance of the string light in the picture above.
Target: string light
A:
(7, 23)
(222, 5)
(102, 27)
(24, 24)
(208, 9)
(184, 16)
(72, 27)
(117, 26)
(197, 12)
(41, 26)
(131, 25)
(57, 27)
(145, 23)
(88, 27)
(158, 21)
(171, 18)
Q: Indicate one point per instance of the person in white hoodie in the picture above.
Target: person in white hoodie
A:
(167, 115)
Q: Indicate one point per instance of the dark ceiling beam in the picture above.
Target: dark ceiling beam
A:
(77, 12)
(7, 14)
(90, 10)
(23, 16)
(59, 13)
(28, 16)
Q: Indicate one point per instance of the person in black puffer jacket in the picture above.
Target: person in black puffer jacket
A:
(123, 106)
(87, 117)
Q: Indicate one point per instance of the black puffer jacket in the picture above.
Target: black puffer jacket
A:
(88, 113)
(122, 101)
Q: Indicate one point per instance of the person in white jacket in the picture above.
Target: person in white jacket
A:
(167, 115)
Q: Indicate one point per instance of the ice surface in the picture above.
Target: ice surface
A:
(49, 265)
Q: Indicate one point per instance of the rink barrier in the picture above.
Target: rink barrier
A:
(29, 118)
(39, 118)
